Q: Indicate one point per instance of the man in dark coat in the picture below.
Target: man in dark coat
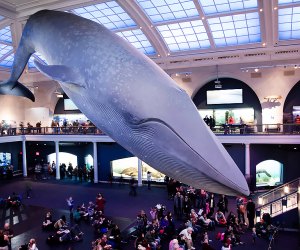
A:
(250, 212)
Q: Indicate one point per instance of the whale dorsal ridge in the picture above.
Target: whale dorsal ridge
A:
(61, 73)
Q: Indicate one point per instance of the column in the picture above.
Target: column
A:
(57, 160)
(140, 173)
(95, 159)
(24, 158)
(247, 162)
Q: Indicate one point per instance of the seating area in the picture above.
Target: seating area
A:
(120, 208)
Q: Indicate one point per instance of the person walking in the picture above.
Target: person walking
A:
(149, 180)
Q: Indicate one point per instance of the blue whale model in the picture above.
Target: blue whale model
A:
(127, 96)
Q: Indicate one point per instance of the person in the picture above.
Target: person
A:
(3, 241)
(178, 205)
(62, 222)
(223, 204)
(149, 180)
(212, 123)
(100, 203)
(70, 203)
(220, 218)
(297, 122)
(240, 208)
(9, 233)
(48, 222)
(206, 120)
(230, 120)
(32, 245)
(250, 207)
(132, 186)
(187, 236)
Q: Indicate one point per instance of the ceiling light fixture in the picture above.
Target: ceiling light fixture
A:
(217, 82)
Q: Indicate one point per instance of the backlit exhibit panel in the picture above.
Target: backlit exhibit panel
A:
(128, 167)
(65, 158)
(269, 173)
(224, 96)
(5, 159)
(220, 115)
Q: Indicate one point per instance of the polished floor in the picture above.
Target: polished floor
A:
(50, 195)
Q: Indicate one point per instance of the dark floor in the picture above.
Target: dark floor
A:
(51, 195)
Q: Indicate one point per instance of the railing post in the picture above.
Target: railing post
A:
(95, 158)
(24, 157)
(57, 160)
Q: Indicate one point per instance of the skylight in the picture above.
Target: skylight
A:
(184, 36)
(236, 29)
(110, 14)
(5, 49)
(220, 6)
(280, 2)
(166, 10)
(139, 40)
(8, 61)
(35, 56)
(289, 23)
(5, 35)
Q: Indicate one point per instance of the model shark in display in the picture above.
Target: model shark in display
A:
(127, 96)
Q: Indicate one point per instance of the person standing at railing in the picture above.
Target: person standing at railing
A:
(297, 122)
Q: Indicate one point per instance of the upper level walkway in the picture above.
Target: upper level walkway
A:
(234, 134)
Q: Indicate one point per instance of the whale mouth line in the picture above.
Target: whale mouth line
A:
(156, 120)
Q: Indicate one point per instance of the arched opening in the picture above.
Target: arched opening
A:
(231, 98)
(291, 107)
(269, 173)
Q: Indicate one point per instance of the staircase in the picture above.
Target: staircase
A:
(279, 200)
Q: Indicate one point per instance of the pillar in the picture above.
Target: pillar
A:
(95, 162)
(140, 173)
(247, 163)
(24, 158)
(57, 160)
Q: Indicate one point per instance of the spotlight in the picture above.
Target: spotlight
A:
(256, 70)
(286, 189)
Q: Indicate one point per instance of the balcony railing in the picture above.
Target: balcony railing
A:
(280, 199)
(221, 129)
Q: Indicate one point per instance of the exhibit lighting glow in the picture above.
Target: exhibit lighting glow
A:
(286, 189)
(260, 201)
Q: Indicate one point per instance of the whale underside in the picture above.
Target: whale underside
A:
(128, 97)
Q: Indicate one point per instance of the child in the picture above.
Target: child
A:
(253, 235)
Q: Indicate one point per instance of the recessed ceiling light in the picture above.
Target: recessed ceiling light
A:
(275, 8)
(256, 69)
(260, 10)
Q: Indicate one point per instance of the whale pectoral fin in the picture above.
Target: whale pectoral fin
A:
(61, 73)
(15, 88)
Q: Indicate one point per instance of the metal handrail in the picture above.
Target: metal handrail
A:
(279, 187)
(220, 129)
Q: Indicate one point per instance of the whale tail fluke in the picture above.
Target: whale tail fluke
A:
(18, 89)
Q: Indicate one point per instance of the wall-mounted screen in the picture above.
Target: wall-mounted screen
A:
(269, 173)
(69, 105)
(224, 96)
(128, 167)
(5, 159)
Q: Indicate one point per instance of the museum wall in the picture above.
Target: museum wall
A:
(268, 81)
(286, 154)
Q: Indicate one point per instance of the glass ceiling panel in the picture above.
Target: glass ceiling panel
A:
(166, 10)
(110, 14)
(35, 56)
(184, 36)
(4, 49)
(236, 29)
(281, 2)
(289, 23)
(221, 6)
(138, 40)
(8, 61)
(5, 35)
